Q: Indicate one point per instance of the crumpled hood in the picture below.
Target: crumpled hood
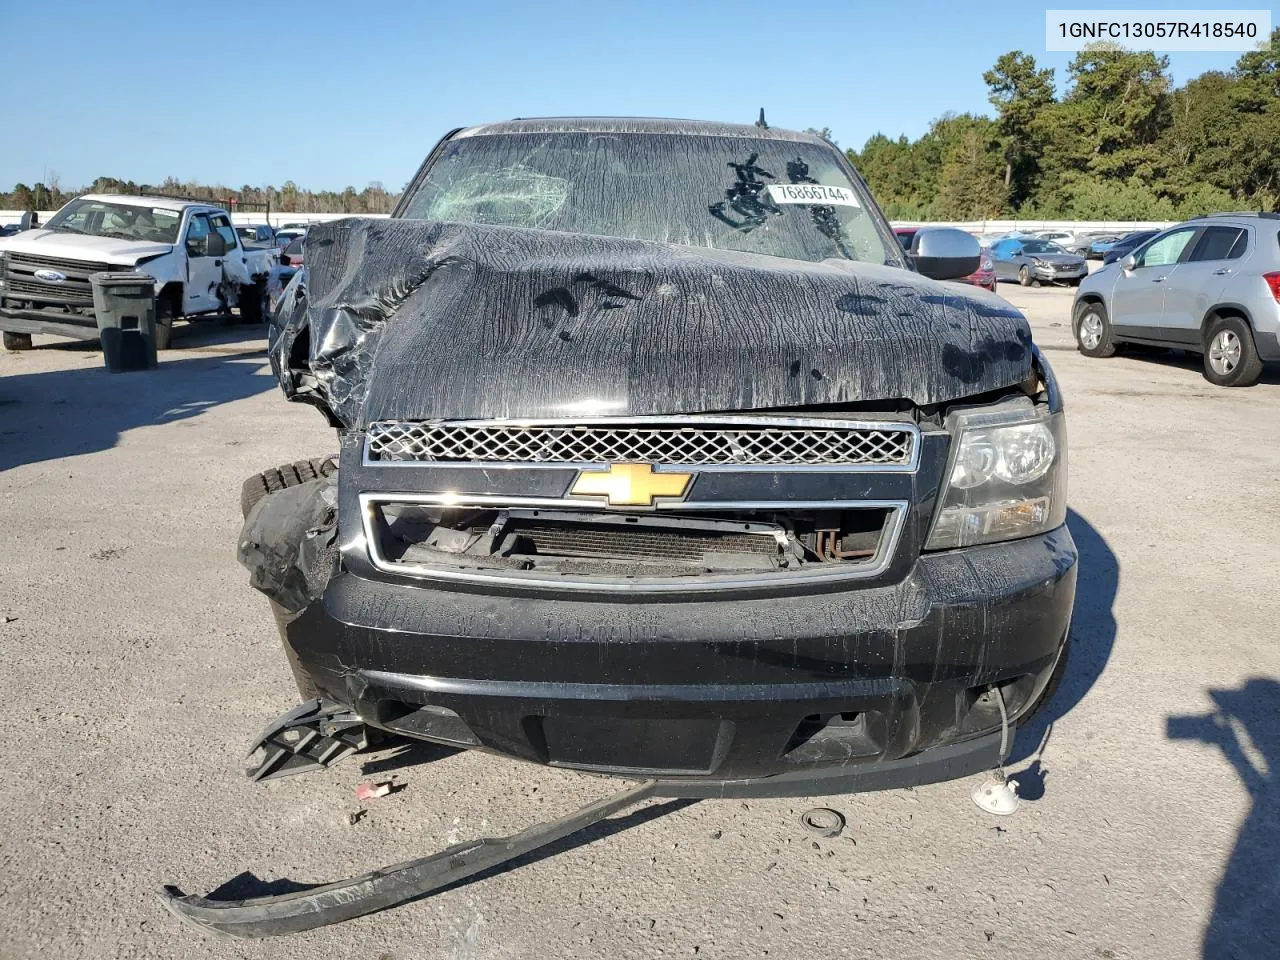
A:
(423, 320)
(72, 246)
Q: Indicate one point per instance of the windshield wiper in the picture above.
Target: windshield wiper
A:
(63, 227)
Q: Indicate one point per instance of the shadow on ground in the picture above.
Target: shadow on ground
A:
(1186, 360)
(1245, 726)
(65, 413)
(1093, 635)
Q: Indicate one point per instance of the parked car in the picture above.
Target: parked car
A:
(519, 357)
(286, 236)
(290, 259)
(984, 276)
(198, 261)
(1210, 285)
(1121, 246)
(257, 235)
(10, 229)
(633, 485)
(1069, 240)
(1032, 261)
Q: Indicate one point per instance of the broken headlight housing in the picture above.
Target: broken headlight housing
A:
(1007, 476)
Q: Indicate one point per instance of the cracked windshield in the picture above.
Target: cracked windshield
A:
(783, 199)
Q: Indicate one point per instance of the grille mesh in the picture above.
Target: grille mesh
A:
(56, 293)
(695, 444)
(638, 544)
(27, 262)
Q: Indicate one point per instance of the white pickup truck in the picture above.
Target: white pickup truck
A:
(191, 249)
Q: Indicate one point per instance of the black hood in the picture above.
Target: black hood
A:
(426, 320)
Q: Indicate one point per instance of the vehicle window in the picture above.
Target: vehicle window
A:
(294, 249)
(222, 224)
(907, 238)
(101, 218)
(198, 231)
(702, 191)
(1165, 249)
(1041, 246)
(1220, 243)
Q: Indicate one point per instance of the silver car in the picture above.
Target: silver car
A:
(1032, 262)
(1210, 285)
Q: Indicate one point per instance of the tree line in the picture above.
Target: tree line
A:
(289, 198)
(1120, 144)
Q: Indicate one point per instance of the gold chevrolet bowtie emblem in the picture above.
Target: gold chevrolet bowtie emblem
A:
(630, 484)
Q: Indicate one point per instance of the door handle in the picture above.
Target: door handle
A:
(1223, 272)
(217, 263)
(1159, 279)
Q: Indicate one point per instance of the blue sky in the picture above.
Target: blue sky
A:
(329, 94)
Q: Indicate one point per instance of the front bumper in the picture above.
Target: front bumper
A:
(1059, 276)
(58, 323)
(861, 688)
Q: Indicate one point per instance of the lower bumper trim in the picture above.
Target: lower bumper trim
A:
(935, 765)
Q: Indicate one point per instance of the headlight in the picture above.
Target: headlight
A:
(986, 264)
(1007, 476)
(1038, 262)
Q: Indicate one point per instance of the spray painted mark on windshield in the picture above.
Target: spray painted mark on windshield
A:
(747, 197)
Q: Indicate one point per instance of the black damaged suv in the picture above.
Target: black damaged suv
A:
(658, 459)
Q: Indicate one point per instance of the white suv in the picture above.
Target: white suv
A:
(1210, 285)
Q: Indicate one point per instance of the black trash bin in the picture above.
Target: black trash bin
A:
(125, 304)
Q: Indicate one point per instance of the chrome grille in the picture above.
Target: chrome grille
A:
(740, 442)
(75, 291)
(60, 293)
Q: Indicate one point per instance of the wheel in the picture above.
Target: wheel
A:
(166, 313)
(1093, 330)
(1230, 357)
(17, 341)
(1025, 278)
(252, 302)
(279, 478)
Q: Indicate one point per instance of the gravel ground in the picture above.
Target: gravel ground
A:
(138, 664)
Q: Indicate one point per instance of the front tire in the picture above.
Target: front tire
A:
(1025, 278)
(17, 341)
(166, 314)
(1230, 355)
(279, 478)
(1092, 330)
(252, 302)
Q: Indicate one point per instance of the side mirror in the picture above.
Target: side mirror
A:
(944, 253)
(217, 246)
(283, 258)
(1128, 263)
